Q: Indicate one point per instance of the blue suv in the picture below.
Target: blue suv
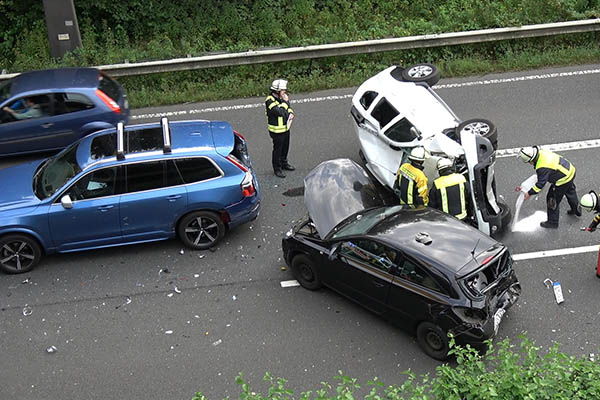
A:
(50, 109)
(140, 183)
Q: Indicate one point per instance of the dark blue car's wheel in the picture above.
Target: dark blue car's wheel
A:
(305, 272)
(201, 230)
(433, 340)
(18, 254)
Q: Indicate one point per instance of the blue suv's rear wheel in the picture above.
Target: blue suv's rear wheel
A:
(201, 229)
(18, 253)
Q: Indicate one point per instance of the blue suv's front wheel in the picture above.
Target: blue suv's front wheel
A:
(18, 253)
(201, 229)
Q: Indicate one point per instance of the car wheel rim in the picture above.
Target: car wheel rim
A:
(420, 71)
(202, 231)
(306, 273)
(17, 255)
(478, 128)
(434, 340)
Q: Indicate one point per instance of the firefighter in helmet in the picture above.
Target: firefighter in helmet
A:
(279, 119)
(411, 183)
(589, 202)
(450, 192)
(560, 173)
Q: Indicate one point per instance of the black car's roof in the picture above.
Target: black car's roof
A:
(453, 243)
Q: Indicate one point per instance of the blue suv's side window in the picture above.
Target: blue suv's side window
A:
(144, 176)
(99, 183)
(197, 169)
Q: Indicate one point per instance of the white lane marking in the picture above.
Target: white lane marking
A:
(347, 96)
(555, 253)
(291, 283)
(584, 144)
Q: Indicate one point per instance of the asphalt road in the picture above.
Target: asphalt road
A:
(121, 330)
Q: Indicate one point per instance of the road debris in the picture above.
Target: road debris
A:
(177, 290)
(291, 283)
(218, 342)
(558, 295)
(27, 311)
(51, 349)
(181, 251)
(169, 332)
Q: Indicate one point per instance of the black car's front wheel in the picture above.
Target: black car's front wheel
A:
(201, 230)
(18, 253)
(433, 340)
(303, 269)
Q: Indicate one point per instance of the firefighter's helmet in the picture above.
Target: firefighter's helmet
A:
(444, 164)
(279, 84)
(417, 154)
(588, 201)
(529, 153)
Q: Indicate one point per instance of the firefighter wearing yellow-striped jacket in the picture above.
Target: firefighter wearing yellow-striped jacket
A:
(560, 173)
(411, 183)
(589, 202)
(279, 118)
(450, 192)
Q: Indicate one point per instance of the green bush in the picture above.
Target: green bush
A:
(504, 372)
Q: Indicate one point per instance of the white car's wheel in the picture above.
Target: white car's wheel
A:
(427, 73)
(481, 127)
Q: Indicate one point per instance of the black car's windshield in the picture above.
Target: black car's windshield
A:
(55, 172)
(362, 222)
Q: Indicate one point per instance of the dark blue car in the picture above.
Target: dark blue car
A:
(140, 183)
(50, 109)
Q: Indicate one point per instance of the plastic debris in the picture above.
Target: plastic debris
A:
(292, 283)
(218, 342)
(201, 255)
(592, 357)
(169, 332)
(164, 271)
(170, 295)
(196, 275)
(51, 349)
(548, 282)
(177, 290)
(128, 300)
(181, 251)
(27, 311)
(234, 297)
(27, 280)
(283, 268)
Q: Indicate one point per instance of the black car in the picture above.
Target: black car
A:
(418, 266)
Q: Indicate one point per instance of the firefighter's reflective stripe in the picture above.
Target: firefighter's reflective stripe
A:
(450, 183)
(412, 184)
(276, 122)
(562, 171)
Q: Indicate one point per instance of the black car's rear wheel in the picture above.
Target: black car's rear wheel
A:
(19, 253)
(303, 269)
(433, 340)
(201, 230)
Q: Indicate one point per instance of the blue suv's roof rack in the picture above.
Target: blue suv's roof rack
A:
(120, 146)
(164, 123)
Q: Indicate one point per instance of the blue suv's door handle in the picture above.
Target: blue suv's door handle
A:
(174, 197)
(105, 208)
(47, 125)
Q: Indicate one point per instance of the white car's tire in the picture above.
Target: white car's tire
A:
(481, 127)
(427, 73)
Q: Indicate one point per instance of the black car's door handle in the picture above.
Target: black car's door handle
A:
(47, 125)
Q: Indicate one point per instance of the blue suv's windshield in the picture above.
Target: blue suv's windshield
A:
(55, 172)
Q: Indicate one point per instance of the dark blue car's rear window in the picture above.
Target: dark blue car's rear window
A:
(109, 87)
(5, 90)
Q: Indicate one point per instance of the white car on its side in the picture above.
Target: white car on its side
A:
(397, 110)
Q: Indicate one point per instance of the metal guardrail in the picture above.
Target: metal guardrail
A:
(349, 48)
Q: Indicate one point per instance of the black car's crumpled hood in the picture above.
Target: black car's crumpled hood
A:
(336, 189)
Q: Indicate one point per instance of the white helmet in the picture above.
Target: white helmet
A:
(444, 164)
(588, 201)
(528, 153)
(279, 84)
(417, 154)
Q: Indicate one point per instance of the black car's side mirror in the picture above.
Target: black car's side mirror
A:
(333, 251)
